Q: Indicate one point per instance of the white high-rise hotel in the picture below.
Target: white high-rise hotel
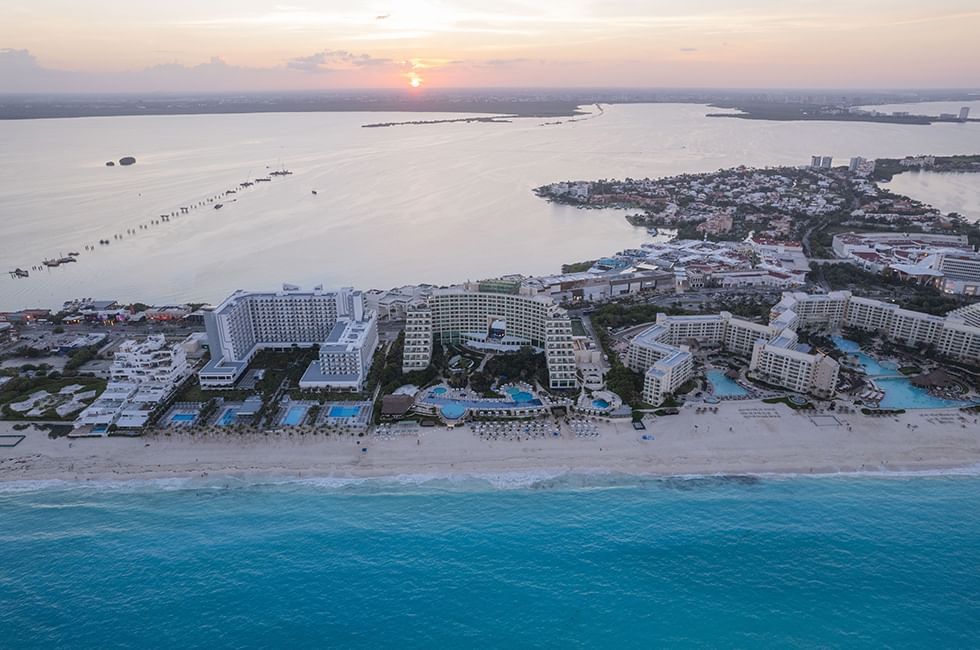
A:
(336, 321)
(492, 315)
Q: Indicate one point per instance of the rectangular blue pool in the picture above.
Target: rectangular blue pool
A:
(295, 415)
(182, 418)
(228, 417)
(344, 411)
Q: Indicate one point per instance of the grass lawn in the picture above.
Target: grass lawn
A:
(192, 392)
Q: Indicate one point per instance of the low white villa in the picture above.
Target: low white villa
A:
(143, 374)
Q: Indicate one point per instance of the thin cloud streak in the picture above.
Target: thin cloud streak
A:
(334, 43)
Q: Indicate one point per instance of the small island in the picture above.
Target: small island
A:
(125, 161)
(497, 119)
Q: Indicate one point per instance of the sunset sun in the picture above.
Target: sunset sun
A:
(415, 82)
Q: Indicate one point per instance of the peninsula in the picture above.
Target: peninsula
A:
(840, 111)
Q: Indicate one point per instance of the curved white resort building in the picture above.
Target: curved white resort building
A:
(496, 315)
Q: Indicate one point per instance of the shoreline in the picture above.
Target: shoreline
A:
(16, 108)
(733, 443)
(522, 102)
(503, 481)
(909, 121)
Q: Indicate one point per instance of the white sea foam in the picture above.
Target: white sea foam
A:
(968, 470)
(559, 480)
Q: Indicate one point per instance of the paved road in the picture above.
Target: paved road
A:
(630, 332)
(587, 324)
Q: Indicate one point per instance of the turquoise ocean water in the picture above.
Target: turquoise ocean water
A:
(573, 561)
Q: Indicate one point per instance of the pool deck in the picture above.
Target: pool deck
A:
(454, 405)
(227, 415)
(359, 421)
(182, 414)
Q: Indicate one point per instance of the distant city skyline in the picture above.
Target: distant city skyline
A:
(245, 45)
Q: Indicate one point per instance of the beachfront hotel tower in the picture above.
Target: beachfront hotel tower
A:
(492, 316)
(662, 353)
(336, 321)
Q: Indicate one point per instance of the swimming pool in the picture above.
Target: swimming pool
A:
(344, 411)
(600, 404)
(845, 345)
(182, 418)
(901, 394)
(439, 390)
(484, 404)
(519, 395)
(899, 391)
(453, 411)
(228, 416)
(871, 366)
(295, 415)
(723, 386)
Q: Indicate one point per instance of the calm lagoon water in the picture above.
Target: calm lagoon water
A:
(502, 561)
(570, 561)
(949, 192)
(437, 203)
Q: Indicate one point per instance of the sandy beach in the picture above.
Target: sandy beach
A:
(742, 438)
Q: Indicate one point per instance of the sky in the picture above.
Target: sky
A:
(230, 45)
